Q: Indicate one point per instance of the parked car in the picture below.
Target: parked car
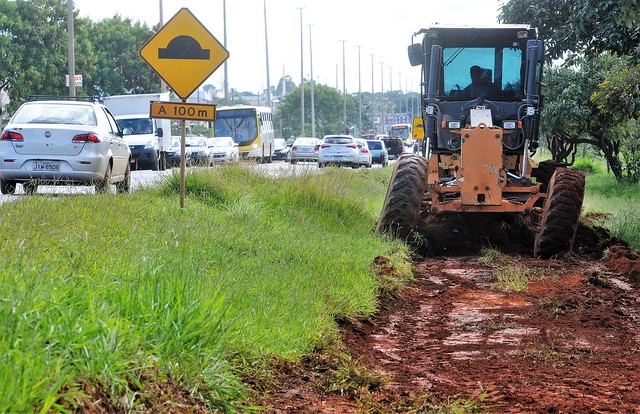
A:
(63, 141)
(282, 151)
(173, 155)
(365, 158)
(338, 150)
(305, 149)
(395, 147)
(201, 154)
(224, 149)
(378, 152)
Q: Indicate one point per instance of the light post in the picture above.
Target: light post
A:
(373, 97)
(266, 48)
(382, 111)
(393, 111)
(344, 90)
(72, 58)
(359, 93)
(313, 106)
(226, 73)
(301, 77)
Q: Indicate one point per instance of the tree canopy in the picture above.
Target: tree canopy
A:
(106, 52)
(593, 96)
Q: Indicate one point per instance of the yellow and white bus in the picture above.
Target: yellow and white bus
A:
(404, 131)
(251, 127)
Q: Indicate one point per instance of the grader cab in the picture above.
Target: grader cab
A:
(481, 106)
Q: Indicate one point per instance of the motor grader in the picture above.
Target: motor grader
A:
(480, 109)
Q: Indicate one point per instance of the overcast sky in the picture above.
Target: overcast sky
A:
(381, 29)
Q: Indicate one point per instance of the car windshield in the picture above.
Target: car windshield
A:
(222, 143)
(338, 140)
(305, 141)
(54, 113)
(135, 126)
(196, 142)
(376, 145)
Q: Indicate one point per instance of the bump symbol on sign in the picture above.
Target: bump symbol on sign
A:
(184, 47)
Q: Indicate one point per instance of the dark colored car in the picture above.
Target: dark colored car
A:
(282, 151)
(395, 147)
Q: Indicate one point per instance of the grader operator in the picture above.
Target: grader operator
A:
(481, 106)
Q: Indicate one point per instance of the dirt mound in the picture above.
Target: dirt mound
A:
(468, 234)
(625, 262)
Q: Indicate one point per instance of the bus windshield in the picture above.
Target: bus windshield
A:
(239, 124)
(401, 131)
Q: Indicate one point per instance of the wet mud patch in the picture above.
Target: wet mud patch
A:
(569, 343)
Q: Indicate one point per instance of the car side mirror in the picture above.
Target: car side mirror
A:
(416, 54)
(160, 133)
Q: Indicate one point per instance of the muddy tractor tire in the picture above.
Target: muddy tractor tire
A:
(561, 214)
(404, 197)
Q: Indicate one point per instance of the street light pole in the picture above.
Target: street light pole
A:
(301, 77)
(359, 92)
(266, 48)
(226, 73)
(163, 84)
(393, 111)
(72, 58)
(344, 90)
(373, 97)
(313, 106)
(382, 111)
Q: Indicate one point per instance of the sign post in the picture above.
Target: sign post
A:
(184, 53)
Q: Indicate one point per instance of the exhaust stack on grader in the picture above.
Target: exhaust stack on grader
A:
(481, 110)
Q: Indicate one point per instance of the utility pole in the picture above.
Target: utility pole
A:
(373, 97)
(72, 58)
(344, 90)
(313, 106)
(359, 92)
(266, 48)
(226, 72)
(301, 77)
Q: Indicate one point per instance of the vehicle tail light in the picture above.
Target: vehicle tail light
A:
(325, 146)
(353, 146)
(384, 154)
(12, 136)
(86, 138)
(294, 148)
(316, 148)
(364, 150)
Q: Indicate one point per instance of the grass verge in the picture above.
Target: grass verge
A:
(121, 291)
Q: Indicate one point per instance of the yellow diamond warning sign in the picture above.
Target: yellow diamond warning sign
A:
(184, 53)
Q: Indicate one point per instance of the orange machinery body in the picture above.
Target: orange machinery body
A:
(477, 179)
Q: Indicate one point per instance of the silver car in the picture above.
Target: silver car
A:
(304, 149)
(63, 141)
(338, 150)
(224, 149)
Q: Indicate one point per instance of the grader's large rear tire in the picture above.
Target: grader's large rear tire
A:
(561, 214)
(404, 196)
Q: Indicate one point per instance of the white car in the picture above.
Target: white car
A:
(338, 150)
(63, 141)
(201, 154)
(365, 157)
(224, 149)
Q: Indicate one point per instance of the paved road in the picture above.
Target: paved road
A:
(148, 178)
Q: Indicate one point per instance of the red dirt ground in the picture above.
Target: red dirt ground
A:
(569, 344)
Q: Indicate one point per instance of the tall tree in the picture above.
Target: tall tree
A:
(28, 30)
(118, 67)
(599, 41)
(328, 111)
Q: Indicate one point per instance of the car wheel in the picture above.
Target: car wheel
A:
(124, 186)
(293, 161)
(30, 187)
(7, 187)
(103, 186)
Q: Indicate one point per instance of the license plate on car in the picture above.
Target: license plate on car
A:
(46, 166)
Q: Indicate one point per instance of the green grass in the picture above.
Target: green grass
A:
(619, 202)
(117, 291)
